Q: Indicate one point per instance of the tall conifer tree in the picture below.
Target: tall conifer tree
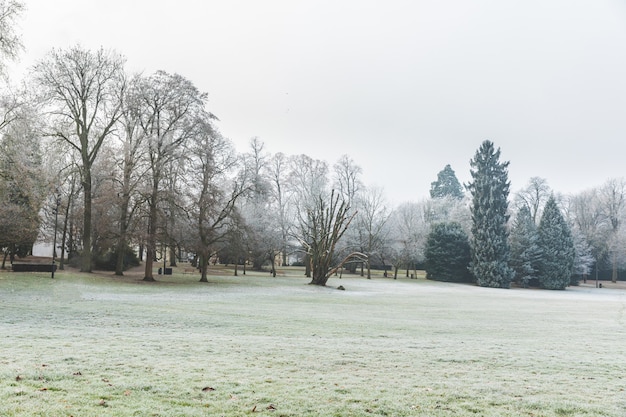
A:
(489, 241)
(555, 239)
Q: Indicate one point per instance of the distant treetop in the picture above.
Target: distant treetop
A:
(447, 185)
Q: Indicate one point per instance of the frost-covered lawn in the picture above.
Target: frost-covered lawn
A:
(255, 345)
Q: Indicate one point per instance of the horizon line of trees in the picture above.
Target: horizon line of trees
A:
(131, 165)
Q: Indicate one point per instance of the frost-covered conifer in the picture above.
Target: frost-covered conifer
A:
(447, 253)
(557, 245)
(447, 185)
(525, 249)
(489, 241)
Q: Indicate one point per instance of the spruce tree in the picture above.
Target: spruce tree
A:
(447, 185)
(447, 253)
(557, 245)
(525, 249)
(489, 241)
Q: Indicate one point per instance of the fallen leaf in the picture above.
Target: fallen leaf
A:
(271, 407)
(77, 373)
(253, 409)
(43, 389)
(208, 389)
(127, 393)
(102, 403)
(18, 378)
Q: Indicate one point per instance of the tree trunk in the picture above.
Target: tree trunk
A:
(307, 265)
(319, 279)
(121, 252)
(151, 243)
(614, 273)
(172, 254)
(70, 240)
(204, 265)
(395, 272)
(273, 259)
(65, 223)
(121, 242)
(86, 255)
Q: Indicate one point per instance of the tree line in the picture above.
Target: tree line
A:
(121, 167)
(544, 240)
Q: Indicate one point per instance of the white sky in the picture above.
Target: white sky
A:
(404, 87)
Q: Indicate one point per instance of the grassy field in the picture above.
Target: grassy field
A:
(96, 345)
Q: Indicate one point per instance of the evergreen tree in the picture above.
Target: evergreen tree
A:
(525, 249)
(447, 185)
(557, 245)
(448, 253)
(489, 241)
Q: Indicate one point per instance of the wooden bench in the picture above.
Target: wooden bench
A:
(32, 267)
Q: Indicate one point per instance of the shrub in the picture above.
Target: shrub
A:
(106, 261)
(448, 253)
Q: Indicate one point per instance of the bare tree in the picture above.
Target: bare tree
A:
(410, 230)
(213, 192)
(613, 198)
(10, 42)
(277, 172)
(308, 179)
(370, 224)
(534, 196)
(262, 235)
(132, 166)
(82, 92)
(347, 178)
(321, 226)
(171, 113)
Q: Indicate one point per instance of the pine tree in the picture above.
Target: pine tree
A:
(447, 185)
(447, 253)
(489, 241)
(557, 245)
(525, 249)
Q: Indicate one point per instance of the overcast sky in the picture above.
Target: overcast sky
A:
(404, 87)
